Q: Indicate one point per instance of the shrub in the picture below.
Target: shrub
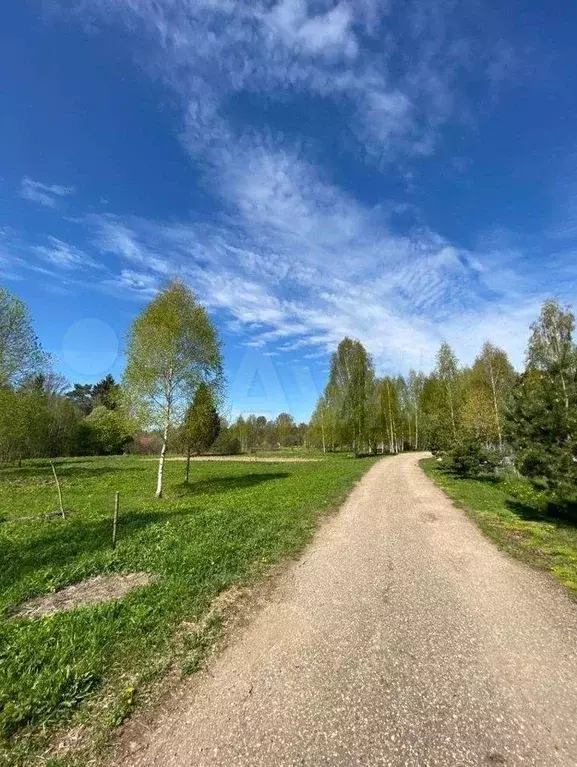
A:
(470, 458)
(108, 431)
(226, 444)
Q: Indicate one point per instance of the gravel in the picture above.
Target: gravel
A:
(401, 637)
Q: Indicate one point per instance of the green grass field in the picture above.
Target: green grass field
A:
(226, 527)
(516, 517)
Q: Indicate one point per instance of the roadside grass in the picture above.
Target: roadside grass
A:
(92, 665)
(517, 517)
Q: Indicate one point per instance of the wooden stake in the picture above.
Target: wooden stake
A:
(115, 520)
(59, 491)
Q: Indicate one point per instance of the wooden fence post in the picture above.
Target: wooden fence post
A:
(115, 520)
(59, 491)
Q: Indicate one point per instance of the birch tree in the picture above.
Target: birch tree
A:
(416, 384)
(493, 373)
(352, 376)
(21, 355)
(551, 349)
(447, 371)
(172, 348)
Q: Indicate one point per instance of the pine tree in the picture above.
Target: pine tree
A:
(201, 424)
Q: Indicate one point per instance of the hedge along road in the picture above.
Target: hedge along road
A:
(402, 637)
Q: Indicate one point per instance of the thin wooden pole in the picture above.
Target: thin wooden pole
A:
(115, 519)
(59, 491)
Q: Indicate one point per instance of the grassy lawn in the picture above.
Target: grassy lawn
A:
(226, 527)
(516, 517)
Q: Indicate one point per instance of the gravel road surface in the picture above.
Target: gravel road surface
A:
(401, 637)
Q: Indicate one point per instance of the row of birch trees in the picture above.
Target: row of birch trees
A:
(527, 417)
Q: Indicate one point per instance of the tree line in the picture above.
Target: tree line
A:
(477, 417)
(170, 394)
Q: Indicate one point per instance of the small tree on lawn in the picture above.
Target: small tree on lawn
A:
(172, 348)
(201, 423)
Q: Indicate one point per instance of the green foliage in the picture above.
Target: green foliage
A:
(81, 396)
(542, 423)
(224, 528)
(21, 355)
(107, 393)
(107, 430)
(286, 430)
(260, 433)
(172, 349)
(25, 423)
(226, 444)
(469, 457)
(201, 424)
(543, 433)
(447, 373)
(350, 391)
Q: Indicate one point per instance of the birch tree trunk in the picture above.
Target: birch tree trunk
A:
(496, 406)
(167, 414)
(160, 477)
(391, 424)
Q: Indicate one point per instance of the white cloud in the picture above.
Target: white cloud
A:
(303, 265)
(44, 194)
(133, 284)
(294, 259)
(64, 255)
(326, 34)
(394, 94)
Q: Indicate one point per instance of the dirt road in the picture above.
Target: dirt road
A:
(402, 637)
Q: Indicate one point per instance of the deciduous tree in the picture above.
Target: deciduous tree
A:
(173, 347)
(21, 355)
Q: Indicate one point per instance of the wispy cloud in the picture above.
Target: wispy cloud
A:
(44, 194)
(341, 271)
(293, 259)
(66, 256)
(393, 96)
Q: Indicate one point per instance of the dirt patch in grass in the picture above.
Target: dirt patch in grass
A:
(103, 588)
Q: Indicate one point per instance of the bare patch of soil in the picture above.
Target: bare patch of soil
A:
(103, 588)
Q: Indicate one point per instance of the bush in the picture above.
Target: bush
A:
(226, 444)
(108, 430)
(470, 458)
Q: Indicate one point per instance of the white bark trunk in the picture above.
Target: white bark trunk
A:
(160, 477)
(167, 414)
(496, 406)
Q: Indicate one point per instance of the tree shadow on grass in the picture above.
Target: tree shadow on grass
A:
(43, 471)
(560, 516)
(232, 482)
(62, 543)
(487, 479)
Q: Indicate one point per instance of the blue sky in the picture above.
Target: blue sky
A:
(401, 172)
